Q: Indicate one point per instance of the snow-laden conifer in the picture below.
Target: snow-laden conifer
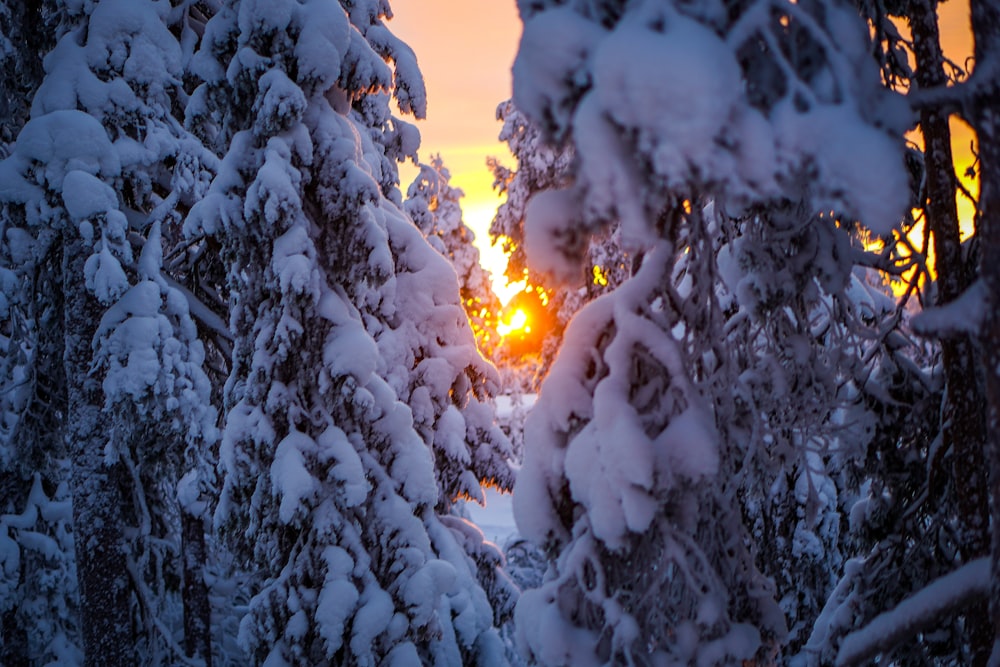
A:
(435, 207)
(540, 167)
(684, 118)
(38, 593)
(101, 167)
(82, 254)
(331, 496)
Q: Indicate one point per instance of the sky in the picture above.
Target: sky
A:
(465, 49)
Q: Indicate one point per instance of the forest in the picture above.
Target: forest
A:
(250, 381)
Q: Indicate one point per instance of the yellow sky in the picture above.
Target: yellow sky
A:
(465, 49)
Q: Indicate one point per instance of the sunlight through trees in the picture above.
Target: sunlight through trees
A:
(735, 400)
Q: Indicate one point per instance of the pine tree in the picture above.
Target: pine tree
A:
(330, 496)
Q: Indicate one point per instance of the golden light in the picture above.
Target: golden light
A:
(956, 42)
(518, 322)
(600, 277)
(506, 291)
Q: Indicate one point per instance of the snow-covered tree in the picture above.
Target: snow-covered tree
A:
(540, 167)
(435, 207)
(50, 149)
(803, 350)
(340, 310)
(429, 338)
(37, 574)
(863, 444)
(747, 450)
(924, 514)
(685, 119)
(983, 117)
(28, 31)
(102, 165)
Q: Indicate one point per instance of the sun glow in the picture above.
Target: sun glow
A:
(518, 321)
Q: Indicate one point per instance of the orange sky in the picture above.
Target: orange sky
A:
(956, 42)
(465, 49)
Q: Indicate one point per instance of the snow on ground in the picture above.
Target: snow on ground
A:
(496, 519)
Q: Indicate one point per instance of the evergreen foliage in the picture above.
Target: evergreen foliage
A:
(354, 368)
(839, 453)
(435, 207)
(133, 171)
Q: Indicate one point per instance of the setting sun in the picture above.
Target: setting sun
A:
(518, 321)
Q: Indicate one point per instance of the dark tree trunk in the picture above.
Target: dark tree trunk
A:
(31, 41)
(984, 115)
(963, 416)
(197, 611)
(102, 566)
(14, 648)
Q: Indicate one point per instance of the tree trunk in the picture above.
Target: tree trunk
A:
(197, 611)
(963, 418)
(14, 648)
(102, 566)
(30, 41)
(984, 112)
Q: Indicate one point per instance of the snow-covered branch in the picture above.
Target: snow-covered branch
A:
(201, 312)
(955, 98)
(945, 99)
(922, 611)
(963, 316)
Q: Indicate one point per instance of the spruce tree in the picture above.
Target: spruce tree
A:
(103, 165)
(435, 207)
(330, 493)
